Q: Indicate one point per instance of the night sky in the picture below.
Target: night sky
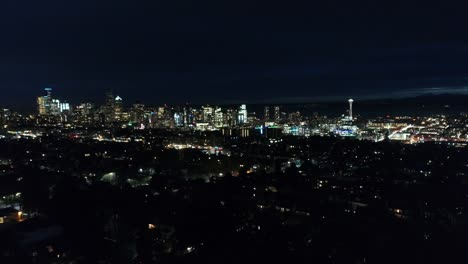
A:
(177, 51)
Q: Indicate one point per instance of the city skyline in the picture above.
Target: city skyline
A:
(183, 131)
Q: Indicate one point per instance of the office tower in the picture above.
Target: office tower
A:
(184, 116)
(137, 113)
(55, 107)
(190, 118)
(231, 117)
(295, 117)
(108, 108)
(4, 116)
(64, 107)
(242, 114)
(161, 113)
(152, 117)
(109, 98)
(266, 116)
(84, 109)
(118, 111)
(178, 121)
(44, 103)
(277, 114)
(189, 115)
(113, 109)
(197, 115)
(208, 114)
(85, 113)
(350, 101)
(165, 113)
(218, 117)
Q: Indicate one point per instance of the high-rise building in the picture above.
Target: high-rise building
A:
(208, 114)
(277, 114)
(109, 98)
(161, 112)
(84, 109)
(231, 117)
(55, 107)
(108, 108)
(85, 113)
(44, 103)
(48, 106)
(4, 116)
(118, 108)
(165, 116)
(242, 114)
(137, 113)
(64, 107)
(218, 117)
(178, 120)
(295, 117)
(266, 115)
(113, 109)
(189, 118)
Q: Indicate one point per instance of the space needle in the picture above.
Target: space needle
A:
(350, 101)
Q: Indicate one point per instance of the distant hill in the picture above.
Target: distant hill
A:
(430, 99)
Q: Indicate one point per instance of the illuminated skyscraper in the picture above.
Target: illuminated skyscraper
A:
(113, 109)
(44, 103)
(277, 114)
(242, 114)
(190, 117)
(48, 106)
(4, 116)
(218, 117)
(294, 117)
(137, 113)
(55, 107)
(85, 112)
(208, 114)
(178, 121)
(64, 107)
(118, 108)
(84, 109)
(266, 116)
(165, 116)
(108, 108)
(231, 117)
(161, 112)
